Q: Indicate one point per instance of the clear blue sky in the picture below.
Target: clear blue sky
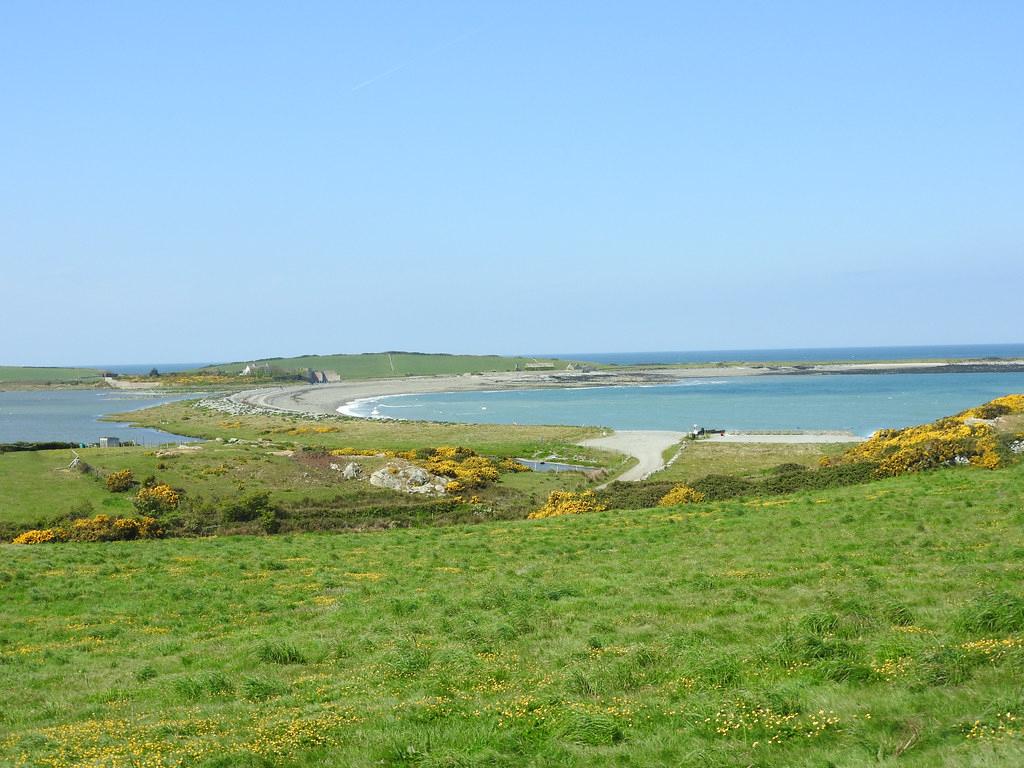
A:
(207, 181)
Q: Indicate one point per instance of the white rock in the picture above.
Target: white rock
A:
(408, 479)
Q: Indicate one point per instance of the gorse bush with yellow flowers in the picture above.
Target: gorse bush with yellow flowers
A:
(1001, 406)
(681, 494)
(120, 481)
(465, 467)
(568, 503)
(156, 499)
(39, 536)
(98, 528)
(948, 441)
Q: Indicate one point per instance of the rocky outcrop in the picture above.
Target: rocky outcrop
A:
(408, 478)
(351, 471)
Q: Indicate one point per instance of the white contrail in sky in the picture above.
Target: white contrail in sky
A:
(436, 49)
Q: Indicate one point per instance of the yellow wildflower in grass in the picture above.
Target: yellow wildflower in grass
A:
(681, 494)
(568, 503)
(1006, 725)
(747, 720)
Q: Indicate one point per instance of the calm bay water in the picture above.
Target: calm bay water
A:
(858, 403)
(70, 416)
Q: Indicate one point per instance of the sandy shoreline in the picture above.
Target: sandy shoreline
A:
(332, 398)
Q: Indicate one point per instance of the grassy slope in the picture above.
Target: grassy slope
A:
(381, 364)
(10, 374)
(634, 638)
(37, 489)
(746, 459)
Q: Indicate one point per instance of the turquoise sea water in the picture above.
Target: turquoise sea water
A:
(804, 354)
(858, 403)
(69, 416)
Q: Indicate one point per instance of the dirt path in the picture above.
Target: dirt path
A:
(646, 445)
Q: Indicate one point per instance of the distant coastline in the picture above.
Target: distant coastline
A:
(325, 399)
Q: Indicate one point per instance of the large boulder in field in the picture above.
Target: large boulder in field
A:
(408, 478)
(352, 471)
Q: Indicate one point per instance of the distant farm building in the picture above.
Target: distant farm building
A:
(110, 442)
(539, 366)
(256, 370)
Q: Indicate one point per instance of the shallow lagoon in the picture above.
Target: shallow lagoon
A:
(70, 415)
(859, 403)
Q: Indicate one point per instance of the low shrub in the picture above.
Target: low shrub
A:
(511, 465)
(38, 536)
(467, 467)
(246, 508)
(719, 487)
(947, 441)
(98, 528)
(156, 499)
(28, 446)
(1001, 406)
(568, 503)
(120, 481)
(681, 494)
(643, 495)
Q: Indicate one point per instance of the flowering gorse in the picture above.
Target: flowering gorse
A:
(158, 498)
(568, 503)
(681, 494)
(951, 440)
(119, 481)
(98, 528)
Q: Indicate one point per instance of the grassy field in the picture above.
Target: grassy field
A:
(387, 364)
(880, 624)
(10, 374)
(699, 458)
(38, 490)
(182, 418)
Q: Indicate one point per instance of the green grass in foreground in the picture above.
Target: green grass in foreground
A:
(374, 365)
(11, 374)
(880, 624)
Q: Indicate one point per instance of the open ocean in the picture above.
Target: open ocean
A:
(859, 403)
(809, 354)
